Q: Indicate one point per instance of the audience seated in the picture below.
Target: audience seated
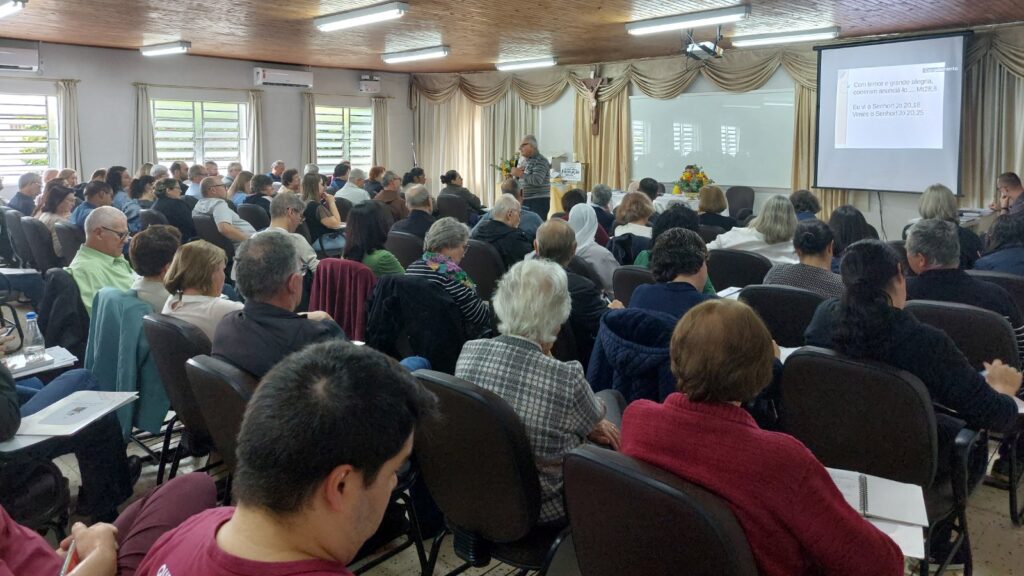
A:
(869, 323)
(213, 171)
(711, 205)
(142, 190)
(159, 172)
(291, 181)
(196, 174)
(631, 354)
(389, 196)
(151, 253)
(30, 185)
(321, 214)
(234, 169)
(813, 243)
(285, 216)
(551, 398)
(444, 246)
(795, 519)
(195, 281)
(322, 442)
(69, 176)
(353, 189)
(576, 196)
(600, 200)
(179, 171)
(373, 183)
(806, 205)
(529, 221)
(276, 169)
(676, 216)
(649, 187)
(120, 181)
(1005, 251)
(214, 202)
(770, 234)
(365, 235)
(169, 203)
(679, 263)
(97, 193)
(632, 215)
(261, 189)
(934, 254)
(584, 222)
(266, 329)
(100, 262)
(502, 231)
(56, 206)
(421, 211)
(848, 226)
(452, 181)
(1011, 194)
(939, 203)
(340, 176)
(239, 188)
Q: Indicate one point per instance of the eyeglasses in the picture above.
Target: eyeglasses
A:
(120, 235)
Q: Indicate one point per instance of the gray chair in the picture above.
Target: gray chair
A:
(150, 217)
(71, 238)
(484, 266)
(785, 310)
(1012, 283)
(736, 268)
(407, 248)
(255, 215)
(625, 280)
(40, 243)
(739, 197)
(16, 234)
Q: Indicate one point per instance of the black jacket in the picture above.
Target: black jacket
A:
(417, 223)
(178, 214)
(711, 219)
(605, 219)
(588, 306)
(62, 316)
(259, 200)
(10, 410)
(462, 192)
(511, 243)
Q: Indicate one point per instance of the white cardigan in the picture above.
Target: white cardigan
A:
(751, 240)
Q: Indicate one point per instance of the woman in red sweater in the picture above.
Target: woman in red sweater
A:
(795, 519)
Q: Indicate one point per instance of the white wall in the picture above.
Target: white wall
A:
(555, 130)
(107, 98)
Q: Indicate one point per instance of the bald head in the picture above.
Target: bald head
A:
(556, 241)
(106, 230)
(212, 187)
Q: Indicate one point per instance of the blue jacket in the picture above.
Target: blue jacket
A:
(631, 355)
(1009, 260)
(118, 355)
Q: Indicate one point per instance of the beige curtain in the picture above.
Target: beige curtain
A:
(448, 135)
(70, 140)
(504, 123)
(381, 142)
(144, 144)
(254, 147)
(607, 155)
(308, 129)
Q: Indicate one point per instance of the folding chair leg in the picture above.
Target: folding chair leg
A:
(1016, 474)
(435, 551)
(168, 432)
(17, 324)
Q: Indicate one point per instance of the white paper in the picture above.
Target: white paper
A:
(731, 293)
(909, 538)
(784, 353)
(886, 499)
(848, 484)
(61, 358)
(69, 415)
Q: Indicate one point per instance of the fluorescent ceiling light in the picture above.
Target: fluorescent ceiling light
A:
(688, 21)
(525, 64)
(412, 55)
(179, 47)
(353, 18)
(8, 7)
(785, 37)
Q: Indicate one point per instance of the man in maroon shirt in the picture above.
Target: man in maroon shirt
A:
(318, 457)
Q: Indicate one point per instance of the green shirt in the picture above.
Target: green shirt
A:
(383, 262)
(93, 270)
(644, 259)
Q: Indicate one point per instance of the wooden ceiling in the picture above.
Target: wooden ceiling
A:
(479, 32)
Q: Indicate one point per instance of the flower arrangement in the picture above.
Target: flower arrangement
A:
(506, 166)
(692, 180)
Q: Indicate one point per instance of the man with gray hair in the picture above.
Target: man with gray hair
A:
(353, 189)
(421, 207)
(30, 185)
(159, 172)
(529, 221)
(601, 199)
(390, 196)
(276, 169)
(100, 262)
(310, 169)
(214, 203)
(234, 169)
(502, 231)
(286, 210)
(534, 176)
(196, 173)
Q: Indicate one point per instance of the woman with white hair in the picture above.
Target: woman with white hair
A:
(552, 398)
(583, 221)
(770, 234)
(939, 203)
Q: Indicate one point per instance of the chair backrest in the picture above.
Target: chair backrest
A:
(173, 342)
(982, 335)
(254, 215)
(626, 247)
(477, 462)
(206, 228)
(739, 197)
(628, 517)
(341, 288)
(454, 206)
(344, 207)
(709, 233)
(16, 234)
(580, 266)
(40, 243)
(785, 310)
(736, 268)
(149, 217)
(71, 238)
(1012, 283)
(407, 248)
(625, 279)
(484, 265)
(303, 230)
(222, 392)
(862, 416)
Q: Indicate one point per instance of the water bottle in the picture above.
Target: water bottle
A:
(35, 347)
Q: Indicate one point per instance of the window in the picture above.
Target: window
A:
(730, 140)
(343, 133)
(685, 138)
(28, 134)
(196, 132)
(641, 136)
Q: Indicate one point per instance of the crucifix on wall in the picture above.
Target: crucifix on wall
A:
(593, 85)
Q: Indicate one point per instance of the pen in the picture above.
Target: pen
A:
(70, 560)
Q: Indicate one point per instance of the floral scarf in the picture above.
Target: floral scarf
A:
(446, 266)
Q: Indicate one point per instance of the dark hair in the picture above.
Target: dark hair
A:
(805, 201)
(154, 248)
(865, 312)
(649, 186)
(95, 188)
(572, 198)
(412, 175)
(328, 405)
(449, 177)
(341, 169)
(1009, 179)
(848, 226)
(139, 186)
(677, 251)
(366, 230)
(1007, 231)
(812, 237)
(52, 197)
(288, 175)
(114, 177)
(259, 182)
(676, 216)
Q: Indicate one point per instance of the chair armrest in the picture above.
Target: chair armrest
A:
(960, 465)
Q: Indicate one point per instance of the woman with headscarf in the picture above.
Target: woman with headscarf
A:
(583, 221)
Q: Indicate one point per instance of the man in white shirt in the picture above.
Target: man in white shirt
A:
(196, 173)
(213, 171)
(234, 169)
(214, 203)
(285, 216)
(353, 190)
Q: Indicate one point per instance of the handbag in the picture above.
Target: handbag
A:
(331, 244)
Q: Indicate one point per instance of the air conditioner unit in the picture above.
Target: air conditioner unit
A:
(276, 77)
(21, 56)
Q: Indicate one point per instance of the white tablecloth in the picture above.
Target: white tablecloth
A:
(661, 204)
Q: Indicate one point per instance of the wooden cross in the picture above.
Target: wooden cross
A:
(593, 85)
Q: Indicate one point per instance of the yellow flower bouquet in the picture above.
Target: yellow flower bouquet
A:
(506, 166)
(692, 180)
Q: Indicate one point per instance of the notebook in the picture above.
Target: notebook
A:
(731, 293)
(895, 508)
(55, 357)
(69, 415)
